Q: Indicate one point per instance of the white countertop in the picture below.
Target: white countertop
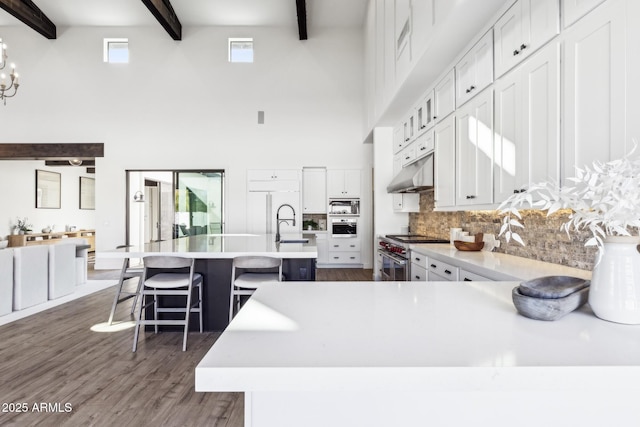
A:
(497, 266)
(404, 336)
(220, 246)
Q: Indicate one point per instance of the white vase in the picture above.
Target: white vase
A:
(614, 294)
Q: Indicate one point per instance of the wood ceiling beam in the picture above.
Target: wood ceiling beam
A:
(27, 12)
(163, 11)
(66, 163)
(82, 151)
(301, 7)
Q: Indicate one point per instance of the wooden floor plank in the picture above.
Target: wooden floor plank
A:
(55, 358)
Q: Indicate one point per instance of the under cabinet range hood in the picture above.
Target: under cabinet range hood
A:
(417, 176)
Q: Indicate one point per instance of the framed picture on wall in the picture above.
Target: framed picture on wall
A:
(47, 190)
(87, 193)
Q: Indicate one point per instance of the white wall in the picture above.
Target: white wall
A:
(18, 197)
(182, 105)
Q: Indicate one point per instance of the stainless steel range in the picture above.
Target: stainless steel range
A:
(395, 253)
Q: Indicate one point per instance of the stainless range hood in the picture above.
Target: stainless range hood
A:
(413, 178)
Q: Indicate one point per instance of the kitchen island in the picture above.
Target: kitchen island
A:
(214, 254)
(418, 354)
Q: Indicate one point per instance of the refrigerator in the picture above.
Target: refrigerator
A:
(262, 207)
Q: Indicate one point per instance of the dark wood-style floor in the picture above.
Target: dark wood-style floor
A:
(56, 370)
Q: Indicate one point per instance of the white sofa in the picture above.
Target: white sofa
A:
(62, 269)
(6, 281)
(82, 259)
(30, 276)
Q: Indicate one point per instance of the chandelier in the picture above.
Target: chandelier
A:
(6, 88)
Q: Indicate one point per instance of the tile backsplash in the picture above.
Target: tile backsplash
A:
(542, 235)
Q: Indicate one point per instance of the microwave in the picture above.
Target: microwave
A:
(344, 227)
(344, 207)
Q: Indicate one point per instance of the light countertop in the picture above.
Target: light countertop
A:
(497, 266)
(404, 336)
(222, 246)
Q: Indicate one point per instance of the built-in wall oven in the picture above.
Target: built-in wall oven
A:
(395, 255)
(344, 226)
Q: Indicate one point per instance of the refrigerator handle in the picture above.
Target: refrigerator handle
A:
(269, 215)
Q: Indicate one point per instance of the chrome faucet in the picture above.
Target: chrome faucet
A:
(279, 221)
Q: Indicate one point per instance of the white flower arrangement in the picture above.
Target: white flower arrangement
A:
(604, 198)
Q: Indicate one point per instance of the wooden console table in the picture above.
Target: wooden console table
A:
(16, 240)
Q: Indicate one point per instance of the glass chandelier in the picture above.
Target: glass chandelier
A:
(7, 89)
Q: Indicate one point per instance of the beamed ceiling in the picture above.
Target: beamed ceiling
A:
(44, 16)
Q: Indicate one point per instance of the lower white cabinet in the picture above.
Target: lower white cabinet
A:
(467, 276)
(419, 264)
(440, 270)
(344, 251)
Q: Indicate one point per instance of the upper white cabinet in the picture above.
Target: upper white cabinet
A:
(526, 133)
(265, 180)
(474, 71)
(343, 182)
(594, 81)
(572, 10)
(398, 138)
(444, 162)
(524, 28)
(474, 151)
(314, 190)
(425, 113)
(444, 96)
(409, 127)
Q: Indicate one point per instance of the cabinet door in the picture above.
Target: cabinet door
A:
(594, 88)
(474, 151)
(424, 144)
(314, 190)
(425, 113)
(352, 182)
(409, 128)
(444, 162)
(398, 139)
(444, 97)
(508, 37)
(474, 72)
(541, 18)
(335, 183)
(572, 10)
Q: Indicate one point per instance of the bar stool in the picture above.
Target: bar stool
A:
(125, 274)
(169, 284)
(248, 281)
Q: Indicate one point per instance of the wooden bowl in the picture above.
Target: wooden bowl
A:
(468, 246)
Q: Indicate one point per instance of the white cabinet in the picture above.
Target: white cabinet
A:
(572, 10)
(424, 144)
(444, 96)
(526, 134)
(343, 182)
(474, 71)
(408, 154)
(266, 180)
(467, 276)
(398, 139)
(440, 270)
(524, 28)
(344, 251)
(322, 244)
(314, 190)
(409, 128)
(594, 82)
(419, 265)
(444, 162)
(425, 113)
(474, 151)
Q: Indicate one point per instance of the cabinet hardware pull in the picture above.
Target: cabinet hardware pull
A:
(466, 279)
(336, 246)
(352, 257)
(423, 148)
(516, 52)
(433, 266)
(417, 277)
(447, 271)
(468, 90)
(516, 191)
(336, 257)
(406, 139)
(523, 47)
(417, 259)
(471, 197)
(435, 117)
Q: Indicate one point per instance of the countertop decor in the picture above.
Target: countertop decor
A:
(605, 199)
(551, 297)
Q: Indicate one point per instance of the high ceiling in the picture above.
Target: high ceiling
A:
(281, 13)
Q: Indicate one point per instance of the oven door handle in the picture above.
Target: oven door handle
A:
(395, 258)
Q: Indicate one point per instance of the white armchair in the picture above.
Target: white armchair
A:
(30, 276)
(6, 281)
(62, 269)
(82, 259)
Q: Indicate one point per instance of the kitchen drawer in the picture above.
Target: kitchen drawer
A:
(433, 277)
(346, 244)
(467, 276)
(442, 269)
(344, 257)
(425, 144)
(408, 154)
(418, 273)
(420, 260)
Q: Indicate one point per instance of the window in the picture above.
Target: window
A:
(240, 50)
(116, 51)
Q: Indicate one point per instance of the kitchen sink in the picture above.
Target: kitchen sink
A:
(294, 241)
